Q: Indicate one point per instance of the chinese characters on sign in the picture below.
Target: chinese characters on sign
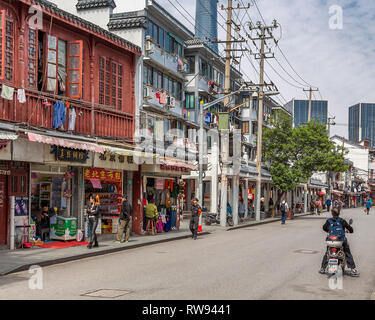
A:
(174, 168)
(103, 175)
(112, 157)
(71, 155)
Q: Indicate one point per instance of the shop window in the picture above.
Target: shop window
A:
(6, 47)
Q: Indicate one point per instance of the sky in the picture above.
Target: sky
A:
(340, 62)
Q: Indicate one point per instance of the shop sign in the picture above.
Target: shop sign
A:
(112, 157)
(174, 168)
(71, 155)
(103, 175)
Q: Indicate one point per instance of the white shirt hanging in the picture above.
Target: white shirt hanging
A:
(72, 119)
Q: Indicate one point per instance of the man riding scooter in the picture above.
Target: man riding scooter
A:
(337, 226)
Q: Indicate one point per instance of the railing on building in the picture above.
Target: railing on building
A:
(92, 119)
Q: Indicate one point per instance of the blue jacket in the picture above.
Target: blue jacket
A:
(368, 204)
(59, 117)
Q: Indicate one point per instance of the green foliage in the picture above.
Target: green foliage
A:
(296, 153)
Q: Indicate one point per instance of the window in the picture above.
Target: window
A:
(190, 65)
(32, 66)
(111, 82)
(6, 47)
(161, 37)
(189, 100)
(245, 127)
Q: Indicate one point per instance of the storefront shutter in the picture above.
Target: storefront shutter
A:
(2, 44)
(75, 67)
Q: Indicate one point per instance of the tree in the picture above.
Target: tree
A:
(294, 154)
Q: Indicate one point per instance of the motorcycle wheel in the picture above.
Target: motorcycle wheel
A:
(208, 222)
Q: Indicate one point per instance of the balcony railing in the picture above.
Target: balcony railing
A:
(92, 119)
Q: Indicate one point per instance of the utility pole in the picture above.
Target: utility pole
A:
(225, 133)
(331, 122)
(262, 56)
(311, 90)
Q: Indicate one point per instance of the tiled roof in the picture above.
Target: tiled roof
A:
(115, 24)
(53, 9)
(90, 4)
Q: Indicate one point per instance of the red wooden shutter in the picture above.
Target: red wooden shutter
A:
(2, 44)
(75, 68)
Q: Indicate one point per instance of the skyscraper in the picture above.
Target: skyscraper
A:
(362, 123)
(300, 111)
(206, 22)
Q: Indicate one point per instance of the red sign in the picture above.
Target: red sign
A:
(174, 168)
(103, 175)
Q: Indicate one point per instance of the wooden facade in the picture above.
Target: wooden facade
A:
(66, 60)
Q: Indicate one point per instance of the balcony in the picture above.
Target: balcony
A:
(165, 60)
(92, 119)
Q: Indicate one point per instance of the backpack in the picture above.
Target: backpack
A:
(282, 207)
(336, 228)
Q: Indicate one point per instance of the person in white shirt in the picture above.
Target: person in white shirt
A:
(284, 209)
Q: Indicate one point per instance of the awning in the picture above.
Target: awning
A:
(67, 143)
(118, 151)
(180, 164)
(8, 136)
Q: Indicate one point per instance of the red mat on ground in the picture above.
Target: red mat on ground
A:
(62, 244)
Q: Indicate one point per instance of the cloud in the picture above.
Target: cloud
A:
(339, 62)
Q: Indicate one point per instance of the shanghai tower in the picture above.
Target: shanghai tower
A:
(206, 22)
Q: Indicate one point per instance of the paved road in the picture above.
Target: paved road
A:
(252, 263)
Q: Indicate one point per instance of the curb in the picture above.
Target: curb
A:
(94, 254)
(266, 222)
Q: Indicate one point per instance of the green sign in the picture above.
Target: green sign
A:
(223, 121)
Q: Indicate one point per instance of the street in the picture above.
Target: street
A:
(264, 262)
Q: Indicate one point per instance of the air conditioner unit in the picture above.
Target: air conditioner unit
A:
(147, 93)
(148, 46)
(171, 102)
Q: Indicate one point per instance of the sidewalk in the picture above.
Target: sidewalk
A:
(22, 259)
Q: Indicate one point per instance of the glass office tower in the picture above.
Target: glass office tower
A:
(300, 108)
(206, 22)
(362, 123)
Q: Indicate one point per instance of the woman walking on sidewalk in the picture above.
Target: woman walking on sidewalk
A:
(94, 216)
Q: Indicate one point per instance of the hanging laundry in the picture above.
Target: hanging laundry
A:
(21, 95)
(59, 116)
(72, 119)
(7, 92)
(163, 98)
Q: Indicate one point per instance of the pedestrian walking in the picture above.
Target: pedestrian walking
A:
(125, 218)
(328, 204)
(241, 210)
(196, 211)
(151, 216)
(94, 216)
(284, 209)
(368, 206)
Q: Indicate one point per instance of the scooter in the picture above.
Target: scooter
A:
(210, 218)
(336, 255)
